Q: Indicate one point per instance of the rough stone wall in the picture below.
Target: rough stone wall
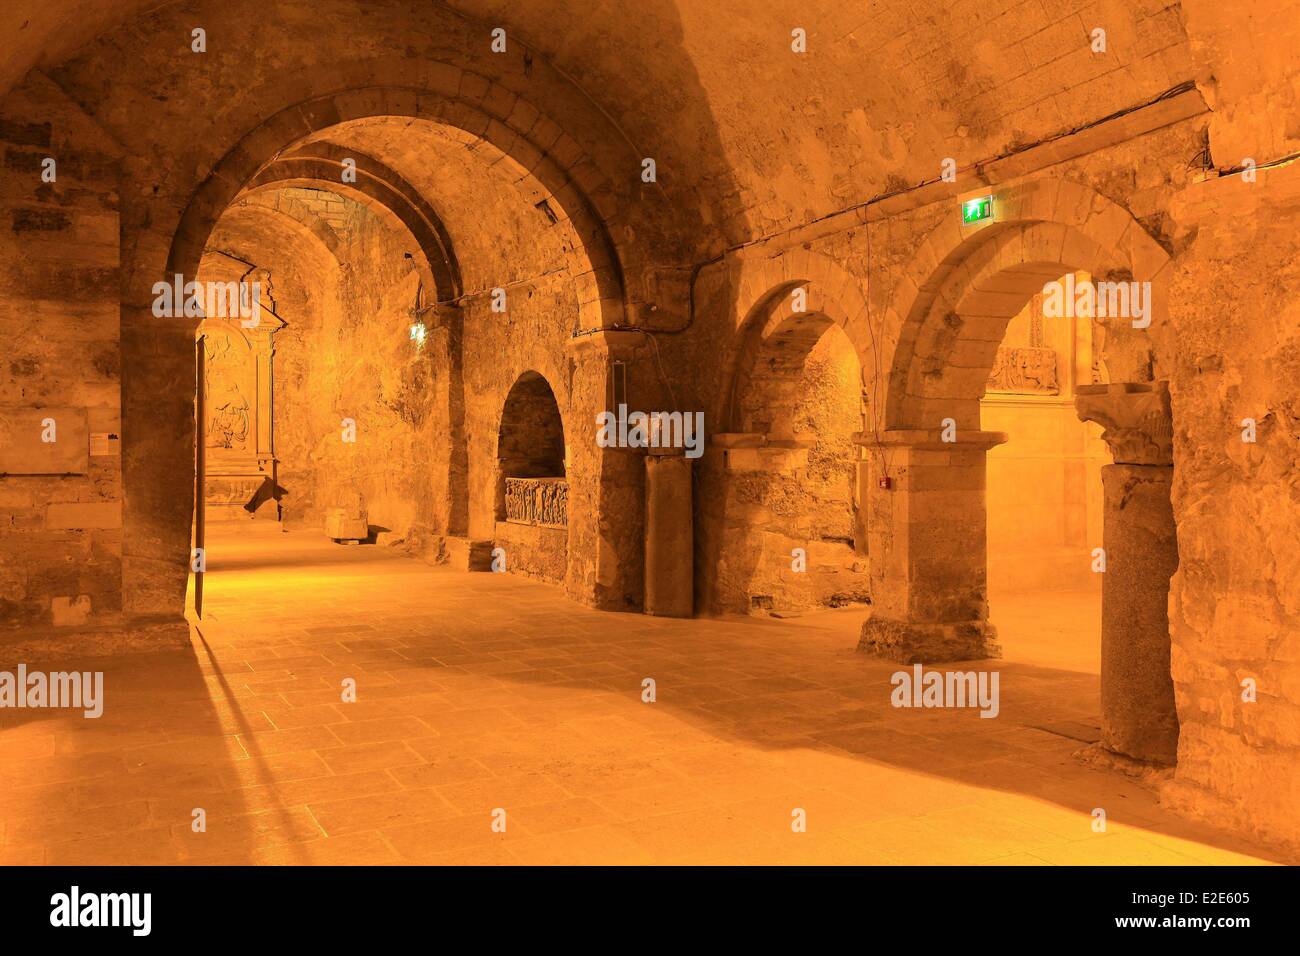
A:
(1235, 601)
(299, 418)
(1234, 608)
(729, 173)
(60, 537)
(532, 551)
(499, 348)
(357, 361)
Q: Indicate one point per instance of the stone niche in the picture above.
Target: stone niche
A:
(532, 515)
(238, 418)
(535, 533)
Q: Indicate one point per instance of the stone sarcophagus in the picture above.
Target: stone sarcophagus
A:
(538, 501)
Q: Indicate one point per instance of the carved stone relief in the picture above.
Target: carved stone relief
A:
(1136, 418)
(539, 501)
(1024, 370)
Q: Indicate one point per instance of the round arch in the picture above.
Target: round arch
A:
(1039, 231)
(292, 210)
(928, 501)
(790, 408)
(790, 301)
(571, 185)
(530, 435)
(381, 189)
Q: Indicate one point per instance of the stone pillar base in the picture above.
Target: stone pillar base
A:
(909, 642)
(459, 552)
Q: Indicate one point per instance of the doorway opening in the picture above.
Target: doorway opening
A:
(1043, 490)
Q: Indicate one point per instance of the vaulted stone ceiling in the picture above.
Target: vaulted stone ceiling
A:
(500, 236)
(711, 89)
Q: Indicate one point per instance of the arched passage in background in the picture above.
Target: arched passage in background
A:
(929, 511)
(532, 489)
(281, 141)
(1043, 489)
(273, 249)
(552, 223)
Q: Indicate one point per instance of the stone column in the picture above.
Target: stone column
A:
(606, 485)
(444, 348)
(1138, 714)
(669, 534)
(925, 527)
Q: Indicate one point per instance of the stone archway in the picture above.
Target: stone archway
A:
(564, 178)
(567, 183)
(926, 510)
(381, 189)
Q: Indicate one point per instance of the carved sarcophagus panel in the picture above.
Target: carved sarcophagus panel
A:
(539, 501)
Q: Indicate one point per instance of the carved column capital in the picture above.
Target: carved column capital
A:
(1136, 417)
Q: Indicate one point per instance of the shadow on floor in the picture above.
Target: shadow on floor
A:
(502, 676)
(123, 788)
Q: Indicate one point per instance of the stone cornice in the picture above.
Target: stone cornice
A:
(929, 439)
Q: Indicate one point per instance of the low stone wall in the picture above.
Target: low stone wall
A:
(534, 551)
(535, 534)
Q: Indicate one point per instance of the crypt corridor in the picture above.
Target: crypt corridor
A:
(326, 328)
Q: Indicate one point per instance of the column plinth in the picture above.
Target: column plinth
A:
(925, 527)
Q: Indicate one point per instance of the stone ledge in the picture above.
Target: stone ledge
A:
(914, 643)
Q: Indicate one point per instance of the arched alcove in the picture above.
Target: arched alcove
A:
(532, 490)
(780, 524)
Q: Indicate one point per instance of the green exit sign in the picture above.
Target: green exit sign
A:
(977, 210)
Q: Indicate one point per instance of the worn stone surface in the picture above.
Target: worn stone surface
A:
(60, 536)
(926, 643)
(669, 571)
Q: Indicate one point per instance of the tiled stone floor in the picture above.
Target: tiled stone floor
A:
(485, 691)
